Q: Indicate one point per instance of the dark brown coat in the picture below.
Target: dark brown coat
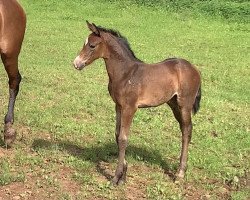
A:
(134, 84)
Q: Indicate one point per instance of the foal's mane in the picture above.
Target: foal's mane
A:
(120, 37)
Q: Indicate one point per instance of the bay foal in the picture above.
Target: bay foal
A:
(134, 84)
(12, 29)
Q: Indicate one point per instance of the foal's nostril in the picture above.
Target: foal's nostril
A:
(75, 63)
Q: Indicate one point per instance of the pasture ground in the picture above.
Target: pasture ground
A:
(65, 148)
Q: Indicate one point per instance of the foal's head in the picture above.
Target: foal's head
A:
(93, 48)
(103, 43)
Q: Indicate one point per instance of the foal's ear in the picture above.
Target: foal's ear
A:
(92, 27)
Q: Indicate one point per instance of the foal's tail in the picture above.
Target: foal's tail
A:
(196, 105)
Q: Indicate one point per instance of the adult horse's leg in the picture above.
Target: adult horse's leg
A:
(127, 115)
(11, 66)
(183, 116)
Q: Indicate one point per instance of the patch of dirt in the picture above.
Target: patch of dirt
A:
(236, 183)
(4, 152)
(134, 189)
(194, 191)
(66, 183)
(40, 189)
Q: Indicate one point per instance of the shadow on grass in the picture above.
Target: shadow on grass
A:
(2, 142)
(107, 152)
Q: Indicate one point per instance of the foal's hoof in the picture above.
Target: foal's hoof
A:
(179, 176)
(9, 134)
(118, 181)
(120, 176)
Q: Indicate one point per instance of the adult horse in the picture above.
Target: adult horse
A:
(134, 84)
(12, 29)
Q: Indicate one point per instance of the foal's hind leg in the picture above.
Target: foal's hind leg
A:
(186, 130)
(11, 66)
(183, 116)
(118, 122)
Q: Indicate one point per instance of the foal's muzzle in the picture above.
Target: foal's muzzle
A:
(79, 63)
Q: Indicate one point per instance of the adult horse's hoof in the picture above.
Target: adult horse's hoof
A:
(9, 134)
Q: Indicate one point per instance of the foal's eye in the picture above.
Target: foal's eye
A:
(91, 46)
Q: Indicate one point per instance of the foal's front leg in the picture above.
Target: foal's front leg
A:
(126, 116)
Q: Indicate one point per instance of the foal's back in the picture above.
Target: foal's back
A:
(183, 70)
(163, 80)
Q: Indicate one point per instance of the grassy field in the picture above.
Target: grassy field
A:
(65, 148)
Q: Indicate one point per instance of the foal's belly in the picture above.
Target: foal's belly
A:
(155, 98)
(156, 90)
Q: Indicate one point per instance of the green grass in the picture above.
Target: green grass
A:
(229, 10)
(65, 119)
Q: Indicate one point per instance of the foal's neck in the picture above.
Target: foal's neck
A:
(121, 60)
(118, 68)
